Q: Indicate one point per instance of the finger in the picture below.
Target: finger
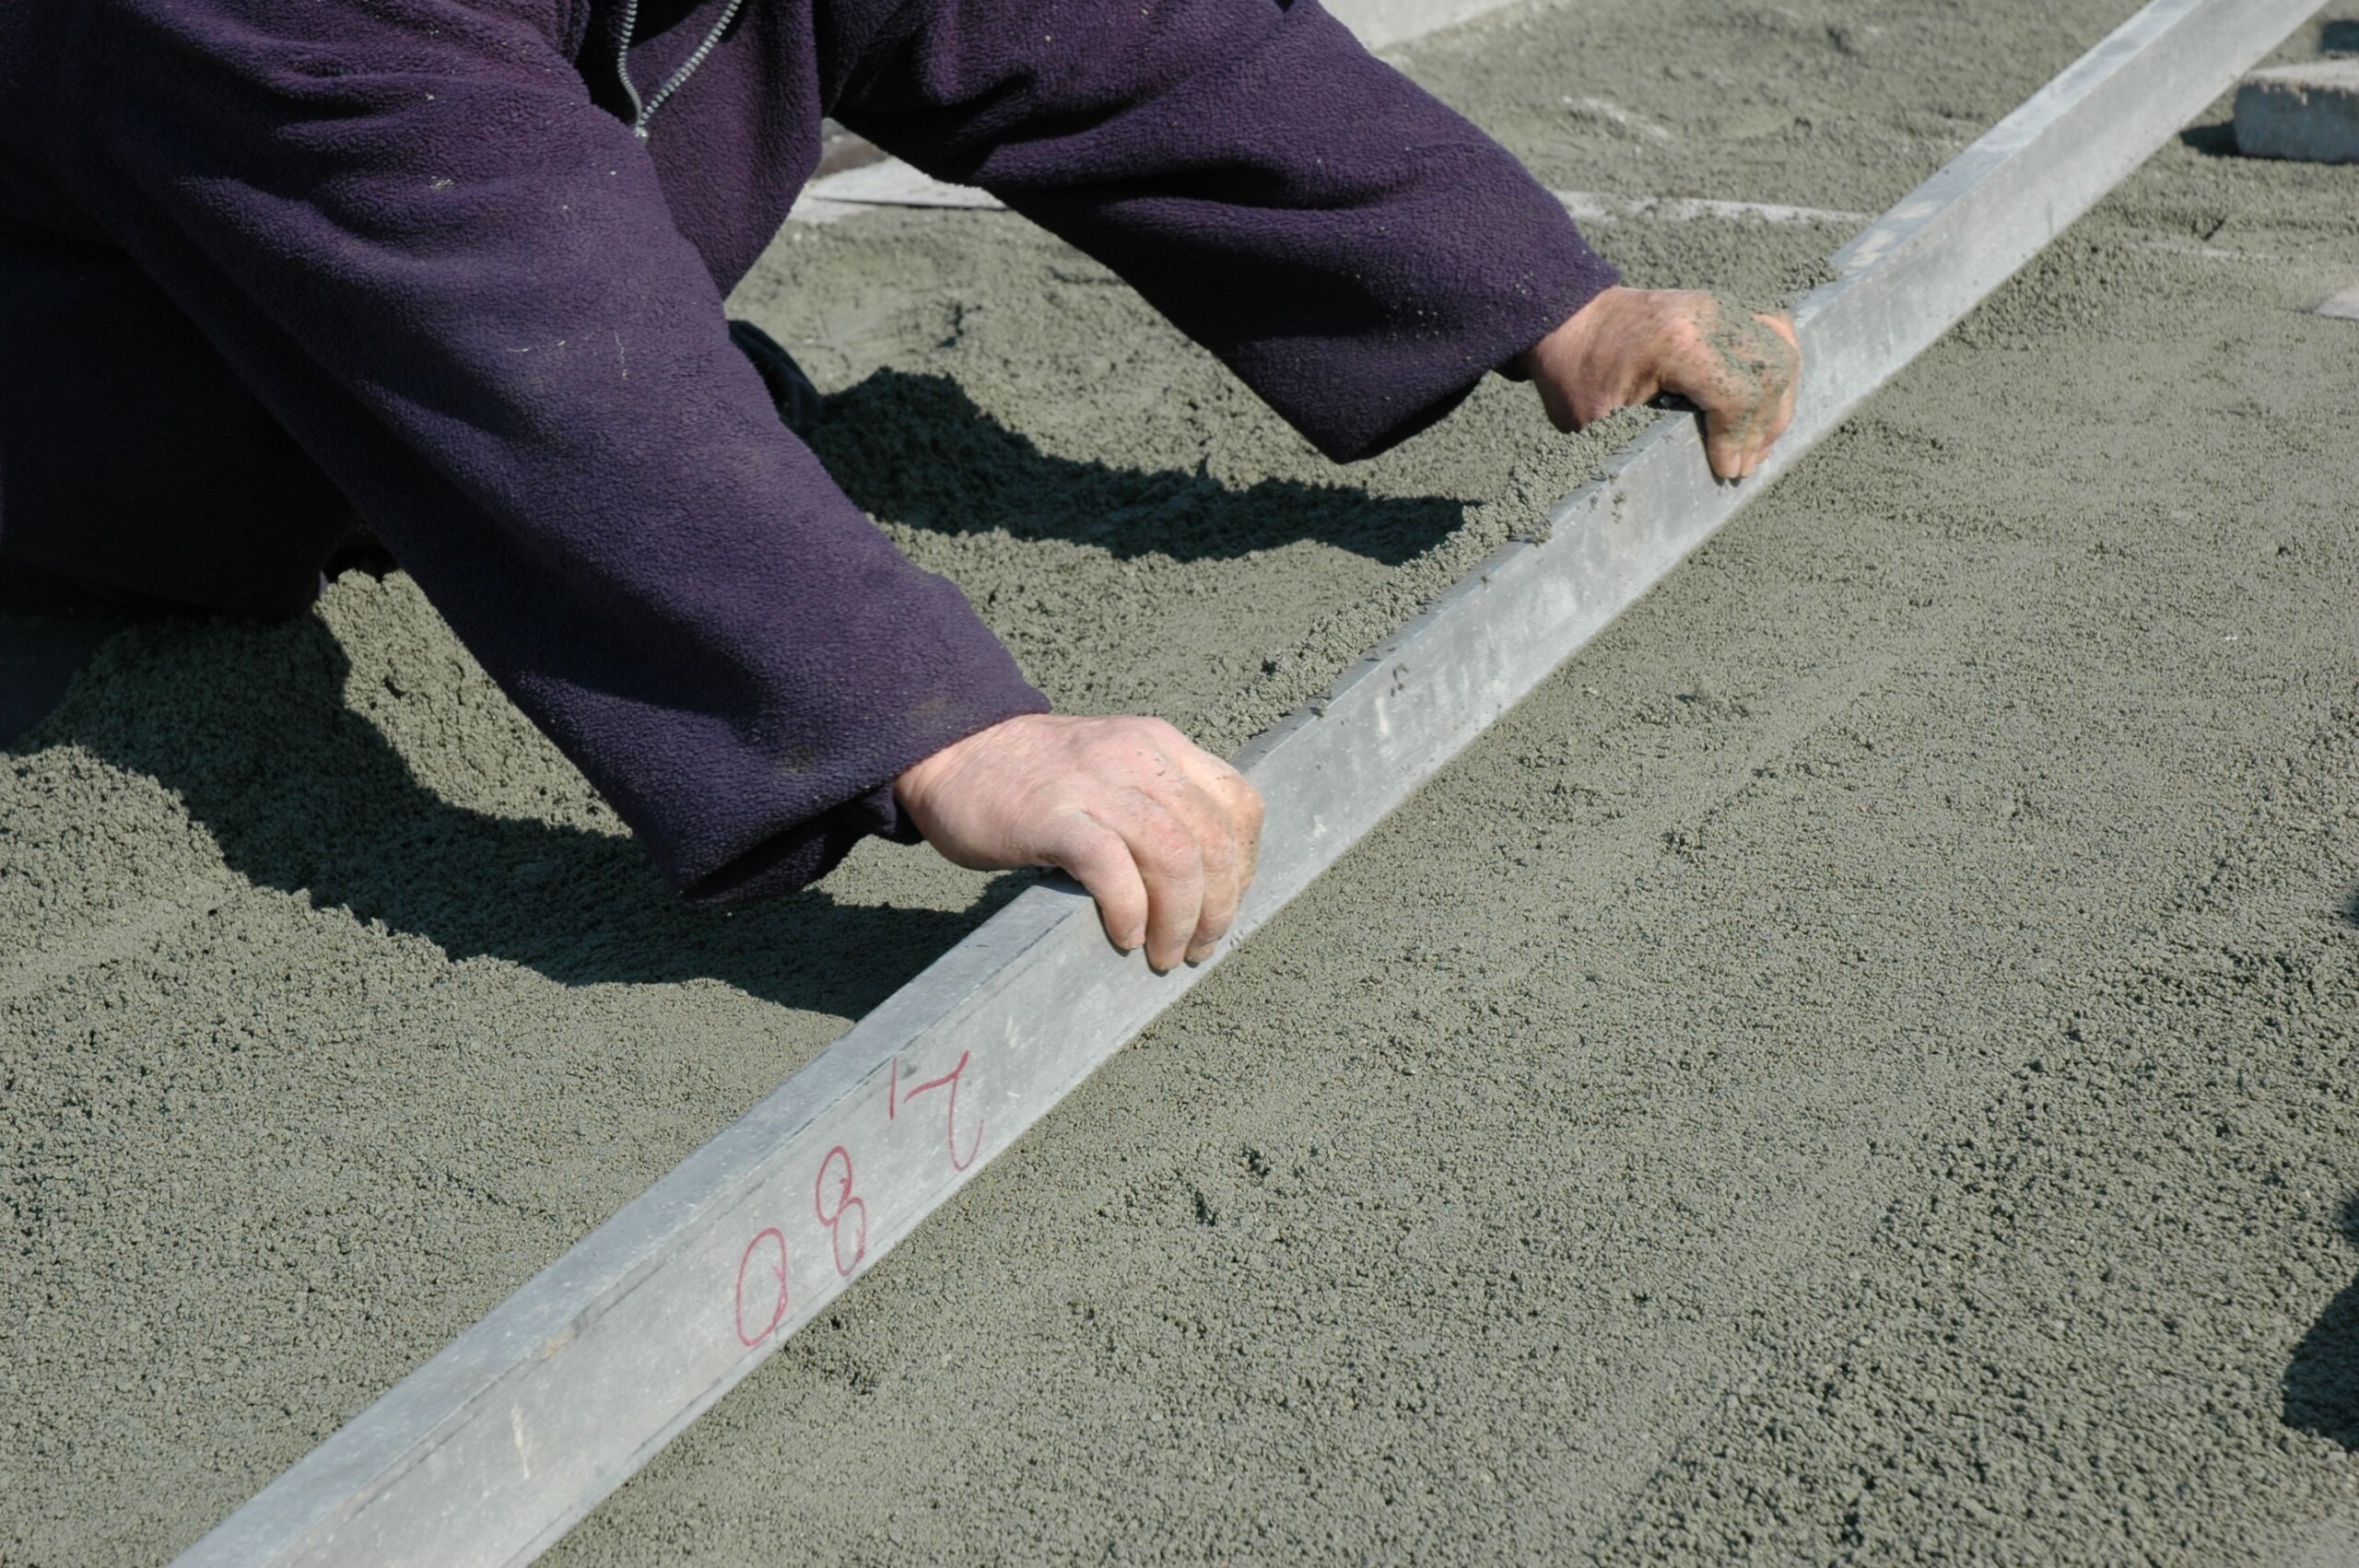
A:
(1750, 423)
(1205, 818)
(1786, 386)
(1238, 808)
(1774, 419)
(1097, 857)
(1779, 425)
(1243, 803)
(1221, 890)
(1735, 432)
(1758, 425)
(1171, 864)
(1217, 840)
(1787, 403)
(1724, 444)
(1728, 413)
(1199, 789)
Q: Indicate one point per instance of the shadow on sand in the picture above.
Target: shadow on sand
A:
(2322, 1380)
(915, 449)
(2212, 141)
(247, 722)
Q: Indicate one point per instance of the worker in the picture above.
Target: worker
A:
(446, 276)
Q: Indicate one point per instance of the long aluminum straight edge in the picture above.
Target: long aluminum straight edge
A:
(491, 1450)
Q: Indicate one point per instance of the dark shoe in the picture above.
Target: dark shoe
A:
(797, 400)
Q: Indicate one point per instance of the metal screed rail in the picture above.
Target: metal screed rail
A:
(490, 1451)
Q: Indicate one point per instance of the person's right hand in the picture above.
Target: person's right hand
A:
(1162, 834)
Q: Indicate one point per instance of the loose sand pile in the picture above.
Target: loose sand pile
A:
(1862, 1061)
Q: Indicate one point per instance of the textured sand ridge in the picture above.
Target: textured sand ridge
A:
(1862, 1064)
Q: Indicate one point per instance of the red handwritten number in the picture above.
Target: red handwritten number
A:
(900, 1096)
(833, 1191)
(772, 1243)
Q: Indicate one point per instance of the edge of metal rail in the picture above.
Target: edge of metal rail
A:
(490, 1451)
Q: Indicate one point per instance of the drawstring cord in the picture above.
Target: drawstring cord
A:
(640, 113)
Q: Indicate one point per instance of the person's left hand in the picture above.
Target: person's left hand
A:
(1631, 346)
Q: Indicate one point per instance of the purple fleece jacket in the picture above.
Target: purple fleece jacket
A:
(263, 262)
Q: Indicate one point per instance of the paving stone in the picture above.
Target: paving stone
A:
(2308, 112)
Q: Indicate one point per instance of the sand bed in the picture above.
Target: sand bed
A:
(1860, 1060)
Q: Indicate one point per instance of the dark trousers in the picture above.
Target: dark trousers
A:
(135, 471)
(137, 474)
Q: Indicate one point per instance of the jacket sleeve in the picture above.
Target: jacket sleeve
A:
(455, 282)
(1356, 252)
